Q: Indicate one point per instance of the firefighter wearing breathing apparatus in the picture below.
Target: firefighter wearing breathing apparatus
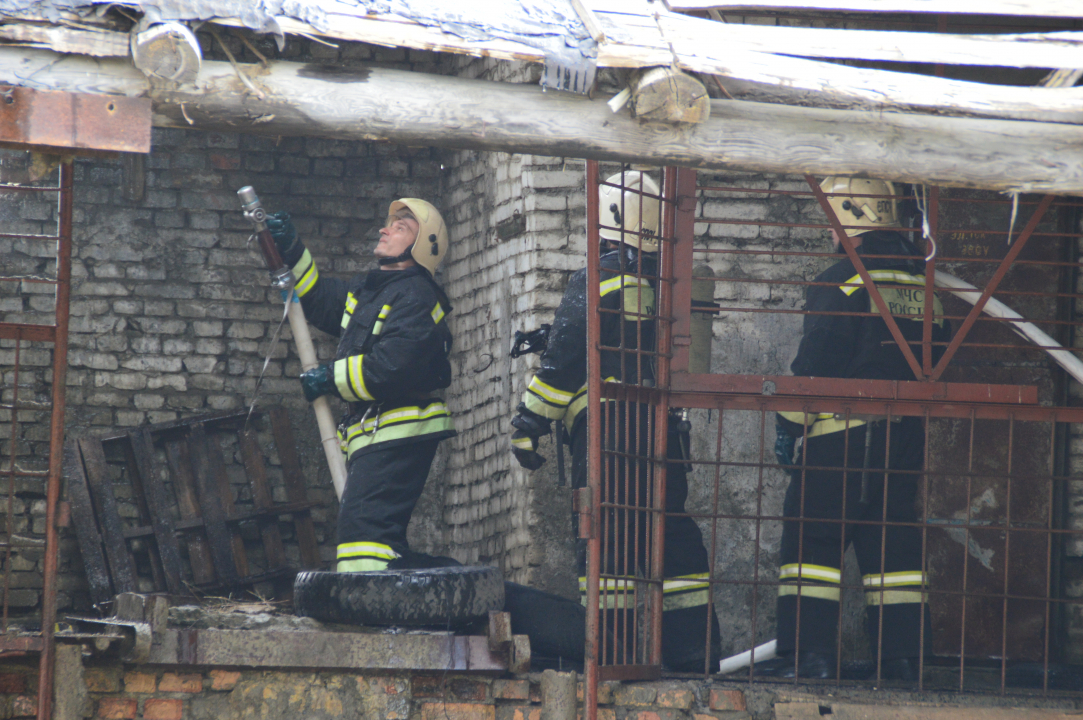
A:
(838, 341)
(391, 363)
(558, 391)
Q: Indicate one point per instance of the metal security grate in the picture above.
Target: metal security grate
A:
(993, 404)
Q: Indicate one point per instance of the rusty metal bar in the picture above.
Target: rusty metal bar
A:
(56, 442)
(592, 656)
(991, 287)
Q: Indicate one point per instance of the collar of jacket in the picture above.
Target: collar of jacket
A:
(889, 242)
(632, 262)
(377, 280)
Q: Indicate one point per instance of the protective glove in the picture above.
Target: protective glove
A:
(529, 428)
(784, 444)
(525, 449)
(319, 381)
(284, 233)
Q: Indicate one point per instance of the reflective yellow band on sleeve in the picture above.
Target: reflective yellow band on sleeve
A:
(810, 572)
(608, 286)
(378, 326)
(523, 443)
(351, 304)
(549, 393)
(305, 274)
(909, 577)
(342, 380)
(810, 591)
(895, 276)
(437, 313)
(349, 379)
(895, 597)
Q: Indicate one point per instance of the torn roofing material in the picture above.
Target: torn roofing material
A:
(550, 26)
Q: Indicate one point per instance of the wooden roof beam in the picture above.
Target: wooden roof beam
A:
(420, 109)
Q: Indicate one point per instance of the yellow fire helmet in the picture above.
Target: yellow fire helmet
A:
(635, 218)
(870, 213)
(431, 244)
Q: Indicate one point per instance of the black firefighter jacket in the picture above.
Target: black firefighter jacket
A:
(855, 346)
(392, 355)
(627, 287)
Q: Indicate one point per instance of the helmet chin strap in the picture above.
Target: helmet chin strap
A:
(407, 255)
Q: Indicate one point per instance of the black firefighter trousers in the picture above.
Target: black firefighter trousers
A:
(382, 487)
(811, 553)
(687, 619)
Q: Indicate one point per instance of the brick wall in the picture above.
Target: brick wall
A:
(125, 693)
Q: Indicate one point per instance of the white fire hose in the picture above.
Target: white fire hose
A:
(964, 291)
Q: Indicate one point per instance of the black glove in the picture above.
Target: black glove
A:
(319, 381)
(784, 444)
(285, 236)
(529, 427)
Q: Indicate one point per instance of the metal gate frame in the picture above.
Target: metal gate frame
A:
(57, 334)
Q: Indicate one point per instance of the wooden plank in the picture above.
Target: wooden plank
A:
(295, 486)
(180, 466)
(210, 504)
(99, 43)
(695, 36)
(139, 494)
(1022, 8)
(396, 106)
(161, 517)
(261, 496)
(105, 502)
(223, 494)
(239, 516)
(86, 530)
(842, 85)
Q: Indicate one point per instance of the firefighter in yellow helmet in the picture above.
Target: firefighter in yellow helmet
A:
(629, 213)
(390, 367)
(845, 337)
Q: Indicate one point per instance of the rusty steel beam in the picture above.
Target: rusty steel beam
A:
(328, 650)
(908, 390)
(593, 649)
(73, 122)
(33, 333)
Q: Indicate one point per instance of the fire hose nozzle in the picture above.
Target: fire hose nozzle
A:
(250, 204)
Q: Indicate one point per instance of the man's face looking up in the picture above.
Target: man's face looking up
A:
(396, 238)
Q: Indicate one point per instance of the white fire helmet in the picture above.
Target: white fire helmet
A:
(430, 247)
(846, 196)
(633, 215)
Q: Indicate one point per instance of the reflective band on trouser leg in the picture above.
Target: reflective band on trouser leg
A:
(364, 557)
(685, 591)
(895, 588)
(613, 593)
(398, 423)
(812, 581)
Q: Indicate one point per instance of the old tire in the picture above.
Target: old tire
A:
(438, 597)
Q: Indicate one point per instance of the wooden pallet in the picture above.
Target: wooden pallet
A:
(155, 504)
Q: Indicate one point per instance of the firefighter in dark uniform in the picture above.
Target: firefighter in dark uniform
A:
(558, 391)
(838, 342)
(390, 366)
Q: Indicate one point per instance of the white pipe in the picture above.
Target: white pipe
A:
(743, 660)
(965, 291)
(328, 430)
